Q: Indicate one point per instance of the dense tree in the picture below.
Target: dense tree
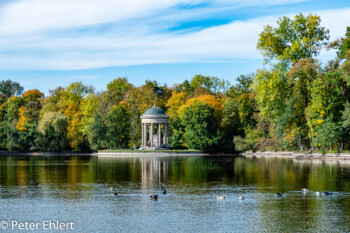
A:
(29, 114)
(97, 133)
(184, 87)
(162, 92)
(346, 121)
(239, 112)
(138, 100)
(88, 108)
(53, 132)
(116, 90)
(328, 134)
(118, 126)
(12, 139)
(295, 103)
(9, 88)
(176, 129)
(213, 85)
(72, 98)
(346, 68)
(342, 45)
(200, 126)
(292, 40)
(272, 92)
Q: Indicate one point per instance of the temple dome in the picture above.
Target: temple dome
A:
(154, 111)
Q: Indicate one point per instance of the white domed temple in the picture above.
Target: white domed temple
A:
(154, 139)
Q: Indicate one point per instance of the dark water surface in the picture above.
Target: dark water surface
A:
(76, 189)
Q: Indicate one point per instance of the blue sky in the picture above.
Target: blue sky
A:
(50, 43)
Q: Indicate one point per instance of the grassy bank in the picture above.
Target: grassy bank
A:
(148, 151)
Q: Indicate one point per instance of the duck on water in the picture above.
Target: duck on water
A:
(221, 197)
(279, 194)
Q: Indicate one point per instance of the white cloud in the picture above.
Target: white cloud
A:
(26, 16)
(36, 15)
(234, 40)
(43, 34)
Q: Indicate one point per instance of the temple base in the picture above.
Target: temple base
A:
(155, 148)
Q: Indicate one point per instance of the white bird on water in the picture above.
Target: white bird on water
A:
(221, 197)
(305, 190)
(240, 197)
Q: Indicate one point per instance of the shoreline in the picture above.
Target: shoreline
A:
(297, 155)
(258, 154)
(46, 154)
(101, 154)
(148, 154)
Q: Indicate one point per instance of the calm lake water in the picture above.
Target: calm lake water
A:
(76, 189)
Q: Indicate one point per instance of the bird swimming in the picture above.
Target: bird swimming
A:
(279, 194)
(317, 193)
(221, 197)
(305, 190)
(327, 193)
(165, 189)
(112, 188)
(240, 197)
(154, 197)
(115, 193)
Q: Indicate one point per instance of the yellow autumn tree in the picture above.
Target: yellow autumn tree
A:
(175, 102)
(23, 120)
(213, 101)
(29, 112)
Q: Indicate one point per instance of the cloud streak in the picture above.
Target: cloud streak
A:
(72, 35)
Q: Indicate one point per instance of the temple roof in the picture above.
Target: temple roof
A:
(154, 111)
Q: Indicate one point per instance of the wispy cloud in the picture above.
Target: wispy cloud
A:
(68, 35)
(25, 16)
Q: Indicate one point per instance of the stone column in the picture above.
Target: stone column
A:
(151, 134)
(142, 134)
(166, 133)
(159, 134)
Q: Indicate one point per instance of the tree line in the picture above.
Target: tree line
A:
(294, 102)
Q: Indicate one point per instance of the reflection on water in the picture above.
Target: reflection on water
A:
(77, 189)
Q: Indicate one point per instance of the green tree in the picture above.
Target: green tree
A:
(88, 108)
(28, 119)
(53, 132)
(346, 68)
(97, 133)
(138, 100)
(239, 111)
(213, 84)
(292, 40)
(200, 126)
(272, 92)
(327, 96)
(176, 129)
(163, 93)
(12, 139)
(9, 88)
(342, 45)
(244, 84)
(70, 105)
(118, 127)
(116, 90)
(328, 133)
(184, 87)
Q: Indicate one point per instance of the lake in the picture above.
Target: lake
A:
(76, 190)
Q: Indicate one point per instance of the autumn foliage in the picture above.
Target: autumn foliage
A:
(294, 102)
